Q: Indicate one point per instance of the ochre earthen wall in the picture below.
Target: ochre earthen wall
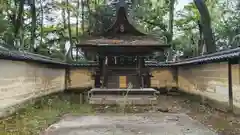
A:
(163, 77)
(21, 81)
(209, 81)
(236, 86)
(80, 78)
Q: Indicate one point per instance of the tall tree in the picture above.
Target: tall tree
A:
(69, 30)
(170, 27)
(82, 21)
(17, 23)
(77, 19)
(33, 28)
(206, 24)
(41, 23)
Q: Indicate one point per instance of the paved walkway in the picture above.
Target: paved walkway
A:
(130, 124)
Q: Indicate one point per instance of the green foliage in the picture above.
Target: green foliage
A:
(52, 29)
(225, 23)
(151, 14)
(4, 25)
(38, 115)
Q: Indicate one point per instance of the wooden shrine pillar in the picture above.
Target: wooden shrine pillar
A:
(105, 75)
(141, 81)
(147, 79)
(142, 75)
(97, 79)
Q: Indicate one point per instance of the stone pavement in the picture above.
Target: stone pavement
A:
(129, 124)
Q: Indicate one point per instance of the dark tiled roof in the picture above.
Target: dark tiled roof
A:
(124, 40)
(26, 56)
(218, 56)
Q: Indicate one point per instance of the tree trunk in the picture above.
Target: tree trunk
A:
(69, 31)
(19, 19)
(64, 16)
(89, 17)
(63, 44)
(77, 23)
(171, 18)
(82, 6)
(33, 29)
(170, 27)
(41, 24)
(206, 25)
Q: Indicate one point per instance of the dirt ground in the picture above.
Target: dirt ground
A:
(128, 124)
(223, 123)
(173, 104)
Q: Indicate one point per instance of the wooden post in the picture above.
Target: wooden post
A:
(101, 62)
(141, 64)
(139, 71)
(176, 77)
(102, 69)
(81, 98)
(97, 80)
(230, 92)
(105, 72)
(67, 78)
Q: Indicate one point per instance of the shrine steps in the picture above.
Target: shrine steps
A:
(144, 96)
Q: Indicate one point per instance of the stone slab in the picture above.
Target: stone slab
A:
(130, 124)
(117, 89)
(130, 99)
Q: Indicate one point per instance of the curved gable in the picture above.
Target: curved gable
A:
(122, 25)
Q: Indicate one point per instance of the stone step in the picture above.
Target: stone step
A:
(145, 96)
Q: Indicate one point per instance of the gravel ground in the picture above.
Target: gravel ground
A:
(223, 123)
(191, 116)
(129, 124)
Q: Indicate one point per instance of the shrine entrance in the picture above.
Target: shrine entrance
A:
(122, 79)
(120, 51)
(123, 72)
